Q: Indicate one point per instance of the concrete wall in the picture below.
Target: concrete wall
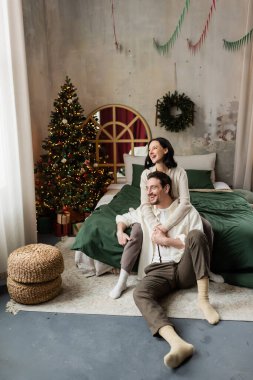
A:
(76, 38)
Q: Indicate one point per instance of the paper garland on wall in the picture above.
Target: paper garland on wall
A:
(235, 45)
(163, 49)
(228, 45)
(197, 46)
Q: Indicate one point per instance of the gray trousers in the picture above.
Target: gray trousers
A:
(133, 247)
(163, 278)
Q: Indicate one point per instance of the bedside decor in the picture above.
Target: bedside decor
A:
(165, 106)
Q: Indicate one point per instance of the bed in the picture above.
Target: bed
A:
(229, 211)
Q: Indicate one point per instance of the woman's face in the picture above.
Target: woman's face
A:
(156, 152)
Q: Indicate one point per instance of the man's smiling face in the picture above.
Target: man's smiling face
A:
(156, 193)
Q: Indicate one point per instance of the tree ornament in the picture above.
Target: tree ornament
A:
(64, 121)
(170, 102)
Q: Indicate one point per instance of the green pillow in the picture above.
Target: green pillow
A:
(136, 178)
(199, 179)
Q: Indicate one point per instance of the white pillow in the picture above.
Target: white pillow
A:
(221, 186)
(129, 160)
(198, 162)
(140, 150)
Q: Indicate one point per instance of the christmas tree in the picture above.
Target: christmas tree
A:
(67, 176)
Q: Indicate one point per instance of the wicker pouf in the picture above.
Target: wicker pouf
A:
(35, 263)
(34, 273)
(31, 294)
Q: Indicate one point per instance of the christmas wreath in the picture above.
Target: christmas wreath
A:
(172, 122)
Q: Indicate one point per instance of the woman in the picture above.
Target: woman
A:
(161, 158)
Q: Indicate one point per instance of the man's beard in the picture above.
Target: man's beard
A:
(154, 202)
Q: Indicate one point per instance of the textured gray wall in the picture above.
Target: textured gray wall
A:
(76, 38)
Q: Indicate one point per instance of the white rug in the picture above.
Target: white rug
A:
(90, 296)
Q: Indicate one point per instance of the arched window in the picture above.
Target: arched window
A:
(121, 130)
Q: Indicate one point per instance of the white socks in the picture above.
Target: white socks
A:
(180, 350)
(120, 286)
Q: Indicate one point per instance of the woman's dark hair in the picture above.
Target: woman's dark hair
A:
(168, 158)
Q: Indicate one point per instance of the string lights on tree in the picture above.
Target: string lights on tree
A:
(66, 175)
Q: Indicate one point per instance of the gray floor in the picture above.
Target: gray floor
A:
(45, 346)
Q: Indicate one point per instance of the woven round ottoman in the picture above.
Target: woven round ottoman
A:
(32, 294)
(34, 273)
(35, 263)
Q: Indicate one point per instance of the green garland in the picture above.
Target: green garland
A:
(179, 122)
(236, 45)
(164, 49)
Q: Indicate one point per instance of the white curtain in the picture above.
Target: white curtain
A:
(17, 200)
(243, 165)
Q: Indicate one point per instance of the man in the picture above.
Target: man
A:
(180, 260)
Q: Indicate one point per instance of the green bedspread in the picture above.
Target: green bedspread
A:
(232, 220)
(229, 213)
(97, 236)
